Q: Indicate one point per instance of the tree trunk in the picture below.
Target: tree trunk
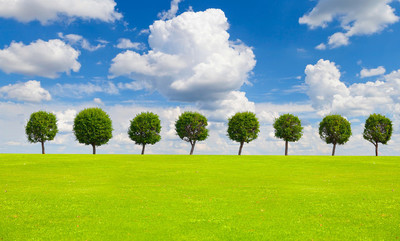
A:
(43, 147)
(191, 150)
(143, 148)
(376, 149)
(240, 148)
(334, 149)
(286, 148)
(94, 149)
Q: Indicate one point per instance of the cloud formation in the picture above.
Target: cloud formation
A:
(329, 94)
(75, 39)
(356, 17)
(30, 91)
(65, 119)
(171, 13)
(191, 59)
(372, 72)
(46, 11)
(124, 43)
(39, 58)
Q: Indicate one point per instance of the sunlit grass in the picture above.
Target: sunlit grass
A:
(129, 197)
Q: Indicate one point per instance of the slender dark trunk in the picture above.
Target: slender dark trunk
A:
(334, 149)
(240, 148)
(43, 147)
(191, 150)
(286, 148)
(94, 149)
(376, 149)
(144, 145)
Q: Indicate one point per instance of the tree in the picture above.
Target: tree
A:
(41, 127)
(378, 129)
(243, 127)
(93, 126)
(288, 127)
(145, 129)
(191, 127)
(334, 129)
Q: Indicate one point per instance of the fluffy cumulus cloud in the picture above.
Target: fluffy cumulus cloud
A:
(65, 119)
(356, 17)
(30, 91)
(220, 110)
(39, 58)
(329, 94)
(47, 11)
(191, 59)
(372, 72)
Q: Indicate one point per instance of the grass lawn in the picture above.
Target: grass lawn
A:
(129, 197)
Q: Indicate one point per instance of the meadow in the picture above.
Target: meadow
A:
(170, 197)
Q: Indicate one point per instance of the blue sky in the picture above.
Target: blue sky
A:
(310, 58)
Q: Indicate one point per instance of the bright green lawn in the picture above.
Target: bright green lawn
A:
(127, 197)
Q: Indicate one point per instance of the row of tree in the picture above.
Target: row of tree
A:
(93, 126)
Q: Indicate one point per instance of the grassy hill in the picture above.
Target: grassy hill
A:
(129, 197)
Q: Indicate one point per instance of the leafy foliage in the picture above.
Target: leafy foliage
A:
(243, 127)
(41, 127)
(93, 126)
(335, 129)
(288, 127)
(378, 129)
(145, 129)
(192, 127)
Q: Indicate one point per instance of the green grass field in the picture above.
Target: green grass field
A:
(129, 197)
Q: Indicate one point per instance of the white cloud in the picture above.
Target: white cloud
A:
(63, 139)
(144, 32)
(124, 43)
(323, 80)
(372, 72)
(30, 91)
(338, 39)
(86, 45)
(47, 11)
(191, 60)
(98, 101)
(356, 17)
(136, 85)
(321, 46)
(221, 110)
(80, 90)
(39, 58)
(75, 39)
(65, 119)
(329, 95)
(171, 13)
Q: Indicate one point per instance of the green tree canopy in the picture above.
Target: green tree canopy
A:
(41, 127)
(243, 127)
(378, 129)
(335, 129)
(145, 129)
(192, 127)
(93, 126)
(288, 127)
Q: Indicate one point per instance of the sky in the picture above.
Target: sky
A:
(308, 58)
